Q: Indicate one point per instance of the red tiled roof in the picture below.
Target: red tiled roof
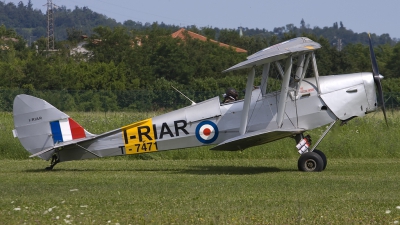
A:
(180, 34)
(9, 39)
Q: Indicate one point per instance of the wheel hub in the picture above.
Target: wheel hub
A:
(311, 164)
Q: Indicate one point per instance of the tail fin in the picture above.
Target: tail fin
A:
(39, 125)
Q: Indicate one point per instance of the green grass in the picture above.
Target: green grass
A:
(239, 191)
(260, 185)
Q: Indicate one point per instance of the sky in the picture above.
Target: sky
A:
(372, 16)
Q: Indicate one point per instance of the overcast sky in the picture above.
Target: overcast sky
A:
(360, 16)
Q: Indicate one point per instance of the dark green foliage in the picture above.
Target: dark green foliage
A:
(134, 69)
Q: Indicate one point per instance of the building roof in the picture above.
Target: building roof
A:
(9, 39)
(180, 34)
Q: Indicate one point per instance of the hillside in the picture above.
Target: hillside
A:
(31, 24)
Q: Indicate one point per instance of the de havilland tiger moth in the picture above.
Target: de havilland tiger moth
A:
(300, 105)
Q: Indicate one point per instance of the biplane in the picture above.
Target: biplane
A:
(300, 105)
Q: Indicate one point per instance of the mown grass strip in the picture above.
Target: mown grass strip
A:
(238, 191)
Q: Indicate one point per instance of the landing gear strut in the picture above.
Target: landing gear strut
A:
(54, 161)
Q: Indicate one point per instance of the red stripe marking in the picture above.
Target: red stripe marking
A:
(76, 129)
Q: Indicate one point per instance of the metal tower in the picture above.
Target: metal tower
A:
(339, 44)
(50, 24)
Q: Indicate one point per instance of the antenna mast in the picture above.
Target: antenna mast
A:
(50, 24)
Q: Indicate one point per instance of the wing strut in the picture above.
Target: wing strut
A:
(314, 61)
(300, 68)
(303, 74)
(264, 79)
(284, 92)
(247, 101)
(279, 67)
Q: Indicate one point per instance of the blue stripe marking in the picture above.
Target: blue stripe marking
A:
(56, 131)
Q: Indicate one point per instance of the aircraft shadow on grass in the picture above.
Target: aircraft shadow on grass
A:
(232, 170)
(196, 170)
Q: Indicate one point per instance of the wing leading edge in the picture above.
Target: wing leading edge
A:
(276, 52)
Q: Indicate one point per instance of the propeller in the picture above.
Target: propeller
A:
(377, 77)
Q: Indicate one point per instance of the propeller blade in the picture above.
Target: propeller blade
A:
(377, 77)
(379, 86)
(375, 69)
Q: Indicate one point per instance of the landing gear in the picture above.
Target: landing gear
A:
(54, 161)
(310, 162)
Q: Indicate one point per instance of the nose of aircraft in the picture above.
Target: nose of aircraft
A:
(377, 77)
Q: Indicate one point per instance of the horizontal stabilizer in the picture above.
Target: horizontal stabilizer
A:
(255, 138)
(80, 141)
(43, 152)
(276, 52)
(59, 145)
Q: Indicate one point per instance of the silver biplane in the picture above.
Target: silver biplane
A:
(302, 104)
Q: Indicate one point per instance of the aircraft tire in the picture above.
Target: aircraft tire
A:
(323, 157)
(310, 162)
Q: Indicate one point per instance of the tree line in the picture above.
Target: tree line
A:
(31, 24)
(133, 69)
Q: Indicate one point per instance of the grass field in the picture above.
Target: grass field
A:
(260, 185)
(240, 191)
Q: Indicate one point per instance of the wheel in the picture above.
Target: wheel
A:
(310, 162)
(323, 157)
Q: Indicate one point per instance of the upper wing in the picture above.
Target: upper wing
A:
(276, 52)
(255, 138)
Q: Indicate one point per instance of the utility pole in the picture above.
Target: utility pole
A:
(50, 24)
(30, 40)
(339, 44)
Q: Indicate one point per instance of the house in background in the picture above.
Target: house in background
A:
(4, 40)
(181, 34)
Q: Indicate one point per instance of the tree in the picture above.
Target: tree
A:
(110, 44)
(29, 5)
(302, 24)
(74, 35)
(393, 64)
(209, 32)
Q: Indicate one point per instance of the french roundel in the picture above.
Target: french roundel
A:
(207, 132)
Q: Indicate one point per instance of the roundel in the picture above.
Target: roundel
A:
(207, 132)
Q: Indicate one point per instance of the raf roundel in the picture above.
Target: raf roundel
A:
(207, 132)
